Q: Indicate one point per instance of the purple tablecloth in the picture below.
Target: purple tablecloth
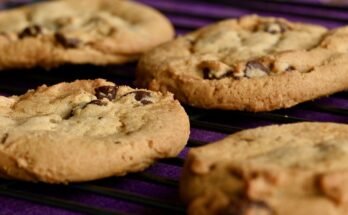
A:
(206, 125)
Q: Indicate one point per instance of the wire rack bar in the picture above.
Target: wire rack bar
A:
(155, 179)
(326, 109)
(131, 197)
(173, 161)
(56, 202)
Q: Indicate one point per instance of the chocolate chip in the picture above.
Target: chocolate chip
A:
(246, 206)
(146, 102)
(83, 106)
(108, 92)
(255, 69)
(206, 73)
(228, 73)
(289, 68)
(67, 42)
(4, 138)
(141, 96)
(69, 115)
(275, 27)
(30, 31)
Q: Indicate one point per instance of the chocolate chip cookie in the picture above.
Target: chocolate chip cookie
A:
(289, 169)
(67, 31)
(87, 129)
(252, 63)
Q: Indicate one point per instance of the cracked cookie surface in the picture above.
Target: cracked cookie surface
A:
(67, 31)
(289, 169)
(251, 63)
(87, 129)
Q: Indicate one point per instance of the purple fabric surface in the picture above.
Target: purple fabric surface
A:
(186, 16)
(10, 206)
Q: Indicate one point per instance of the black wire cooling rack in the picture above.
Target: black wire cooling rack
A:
(225, 122)
(215, 123)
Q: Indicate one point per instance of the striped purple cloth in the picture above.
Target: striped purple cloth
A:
(155, 191)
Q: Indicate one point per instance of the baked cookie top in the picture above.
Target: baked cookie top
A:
(90, 31)
(87, 129)
(252, 63)
(299, 168)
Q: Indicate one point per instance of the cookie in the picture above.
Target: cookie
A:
(87, 129)
(252, 63)
(79, 32)
(299, 168)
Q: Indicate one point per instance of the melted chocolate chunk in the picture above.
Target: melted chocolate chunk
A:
(108, 92)
(255, 68)
(290, 68)
(141, 96)
(69, 115)
(256, 65)
(30, 31)
(67, 42)
(93, 102)
(146, 102)
(229, 73)
(206, 73)
(244, 206)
